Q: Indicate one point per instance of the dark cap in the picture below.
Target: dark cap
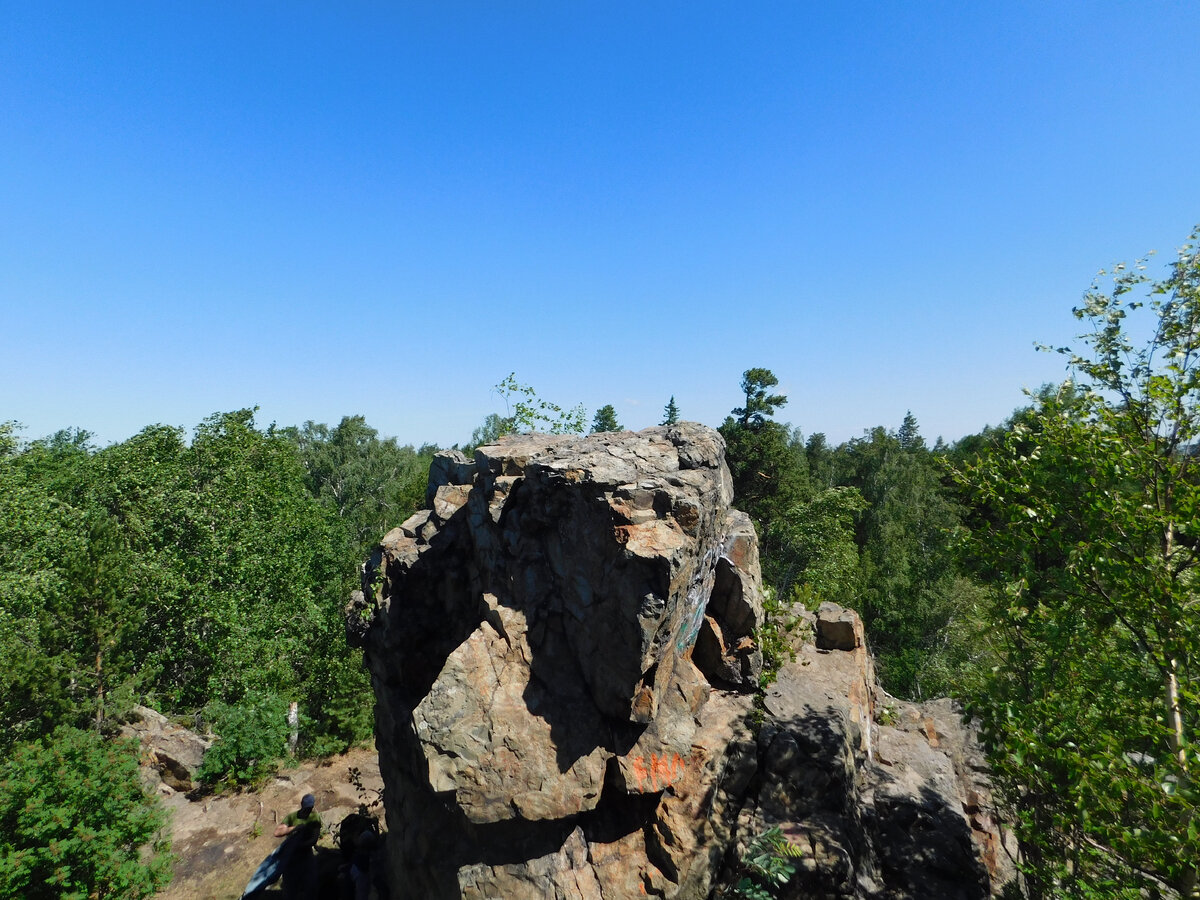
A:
(308, 801)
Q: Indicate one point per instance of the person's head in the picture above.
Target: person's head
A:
(307, 802)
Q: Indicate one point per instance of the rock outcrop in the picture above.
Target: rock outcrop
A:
(171, 754)
(563, 650)
(884, 798)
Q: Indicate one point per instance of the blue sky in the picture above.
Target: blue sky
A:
(385, 208)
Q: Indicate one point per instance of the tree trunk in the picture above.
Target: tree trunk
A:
(99, 687)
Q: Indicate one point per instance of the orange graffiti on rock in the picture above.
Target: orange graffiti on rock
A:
(656, 772)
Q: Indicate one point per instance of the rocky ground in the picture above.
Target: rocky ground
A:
(220, 840)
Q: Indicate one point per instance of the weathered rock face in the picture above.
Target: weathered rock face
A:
(171, 754)
(887, 799)
(545, 642)
(563, 652)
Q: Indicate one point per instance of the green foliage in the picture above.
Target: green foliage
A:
(1091, 711)
(769, 475)
(178, 575)
(530, 413)
(370, 483)
(251, 739)
(8, 437)
(670, 412)
(76, 823)
(35, 692)
(338, 695)
(489, 431)
(766, 866)
(772, 637)
(760, 405)
(813, 548)
(605, 419)
(913, 600)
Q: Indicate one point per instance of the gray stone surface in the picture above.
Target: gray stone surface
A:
(546, 723)
(170, 752)
(899, 810)
(563, 649)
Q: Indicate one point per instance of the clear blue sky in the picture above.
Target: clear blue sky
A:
(384, 208)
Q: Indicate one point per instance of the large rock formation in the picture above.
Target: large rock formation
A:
(544, 641)
(563, 652)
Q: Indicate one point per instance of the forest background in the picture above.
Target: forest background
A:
(1042, 571)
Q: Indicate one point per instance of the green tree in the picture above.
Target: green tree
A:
(272, 572)
(1092, 709)
(821, 461)
(530, 413)
(8, 438)
(35, 676)
(909, 434)
(370, 483)
(814, 556)
(912, 598)
(605, 419)
(670, 412)
(251, 738)
(769, 470)
(760, 405)
(76, 823)
(770, 483)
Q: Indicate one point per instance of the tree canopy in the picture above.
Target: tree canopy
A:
(1092, 709)
(605, 419)
(670, 412)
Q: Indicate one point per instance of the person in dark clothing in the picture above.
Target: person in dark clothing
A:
(303, 827)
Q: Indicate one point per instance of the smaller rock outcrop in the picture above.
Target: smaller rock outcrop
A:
(886, 799)
(171, 754)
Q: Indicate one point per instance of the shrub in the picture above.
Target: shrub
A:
(75, 822)
(252, 738)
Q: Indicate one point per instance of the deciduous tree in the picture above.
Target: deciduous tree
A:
(1093, 709)
(529, 413)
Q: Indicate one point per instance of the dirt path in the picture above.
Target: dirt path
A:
(219, 841)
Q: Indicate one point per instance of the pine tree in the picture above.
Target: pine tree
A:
(605, 420)
(670, 412)
(760, 405)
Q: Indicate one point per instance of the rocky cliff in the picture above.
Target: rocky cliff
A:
(563, 653)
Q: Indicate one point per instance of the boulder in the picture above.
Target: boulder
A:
(171, 754)
(838, 629)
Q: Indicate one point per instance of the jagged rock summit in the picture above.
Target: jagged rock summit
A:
(544, 642)
(563, 650)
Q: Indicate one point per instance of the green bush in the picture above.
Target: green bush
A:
(766, 866)
(251, 739)
(76, 823)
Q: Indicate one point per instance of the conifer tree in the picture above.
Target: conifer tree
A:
(670, 412)
(605, 420)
